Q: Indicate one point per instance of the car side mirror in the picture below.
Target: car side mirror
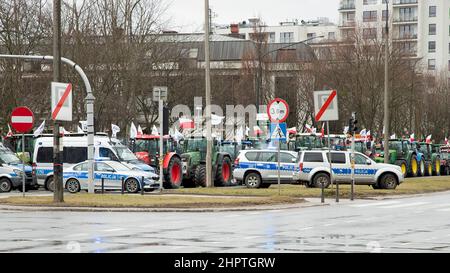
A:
(368, 162)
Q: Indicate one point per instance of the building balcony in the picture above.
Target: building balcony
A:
(347, 7)
(404, 3)
(406, 20)
(405, 37)
(347, 24)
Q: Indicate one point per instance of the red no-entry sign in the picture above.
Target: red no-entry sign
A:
(22, 119)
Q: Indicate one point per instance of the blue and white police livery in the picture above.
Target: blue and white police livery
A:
(75, 151)
(314, 169)
(259, 168)
(11, 172)
(75, 178)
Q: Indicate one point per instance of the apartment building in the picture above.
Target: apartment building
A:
(286, 32)
(421, 28)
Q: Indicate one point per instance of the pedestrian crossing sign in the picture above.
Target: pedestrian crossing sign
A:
(278, 131)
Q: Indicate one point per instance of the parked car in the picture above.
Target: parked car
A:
(314, 169)
(259, 168)
(11, 172)
(75, 178)
(75, 151)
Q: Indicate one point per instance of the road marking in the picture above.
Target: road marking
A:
(329, 225)
(444, 210)
(405, 205)
(374, 204)
(252, 237)
(113, 230)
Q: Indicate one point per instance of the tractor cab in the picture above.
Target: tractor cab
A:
(146, 148)
(307, 141)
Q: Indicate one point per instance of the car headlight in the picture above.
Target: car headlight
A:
(19, 172)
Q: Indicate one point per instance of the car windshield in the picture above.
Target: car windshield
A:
(118, 166)
(395, 145)
(124, 153)
(8, 157)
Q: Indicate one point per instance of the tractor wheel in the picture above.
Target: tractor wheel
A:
(422, 169)
(428, 169)
(437, 167)
(413, 167)
(200, 175)
(403, 165)
(173, 175)
(223, 176)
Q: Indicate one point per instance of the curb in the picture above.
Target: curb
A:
(222, 209)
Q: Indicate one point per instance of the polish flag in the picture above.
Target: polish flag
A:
(186, 123)
(428, 140)
(10, 133)
(446, 141)
(292, 131)
(309, 128)
(257, 130)
(412, 137)
(322, 131)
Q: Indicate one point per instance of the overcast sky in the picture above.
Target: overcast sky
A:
(187, 15)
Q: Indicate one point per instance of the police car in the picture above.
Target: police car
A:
(314, 169)
(259, 168)
(75, 178)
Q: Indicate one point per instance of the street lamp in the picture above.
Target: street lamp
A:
(386, 86)
(260, 70)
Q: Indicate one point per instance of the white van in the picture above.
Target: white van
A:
(75, 151)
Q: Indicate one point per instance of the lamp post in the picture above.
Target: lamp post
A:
(260, 69)
(386, 87)
(209, 182)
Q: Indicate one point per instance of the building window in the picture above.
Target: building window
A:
(449, 65)
(408, 31)
(407, 14)
(370, 33)
(370, 16)
(331, 35)
(311, 35)
(431, 64)
(370, 2)
(432, 11)
(272, 37)
(286, 37)
(431, 46)
(432, 29)
(384, 15)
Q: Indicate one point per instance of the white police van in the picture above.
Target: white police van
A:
(11, 172)
(314, 169)
(75, 151)
(259, 168)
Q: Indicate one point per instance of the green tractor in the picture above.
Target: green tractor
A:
(194, 163)
(431, 157)
(403, 154)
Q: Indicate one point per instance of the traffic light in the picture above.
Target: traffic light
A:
(352, 128)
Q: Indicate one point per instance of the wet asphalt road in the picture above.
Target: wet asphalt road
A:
(418, 224)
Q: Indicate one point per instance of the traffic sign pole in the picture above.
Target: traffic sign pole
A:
(329, 155)
(279, 153)
(23, 164)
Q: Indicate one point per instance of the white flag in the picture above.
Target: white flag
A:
(79, 130)
(346, 128)
(393, 136)
(133, 131)
(155, 131)
(177, 135)
(115, 129)
(39, 130)
(247, 131)
(140, 130)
